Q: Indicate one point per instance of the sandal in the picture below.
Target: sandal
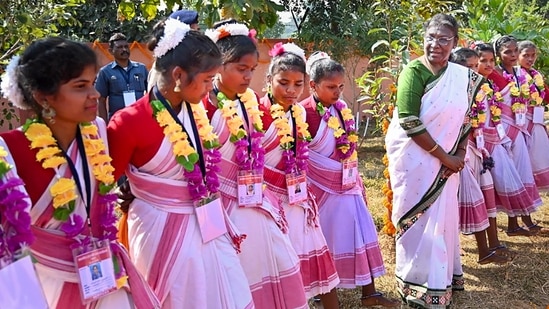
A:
(492, 257)
(519, 231)
(536, 229)
(502, 250)
(378, 300)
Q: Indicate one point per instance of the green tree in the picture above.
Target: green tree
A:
(99, 19)
(257, 14)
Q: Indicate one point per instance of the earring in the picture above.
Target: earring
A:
(177, 87)
(48, 113)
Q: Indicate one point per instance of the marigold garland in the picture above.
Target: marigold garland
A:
(537, 88)
(63, 191)
(345, 139)
(250, 154)
(294, 162)
(200, 185)
(15, 233)
(388, 226)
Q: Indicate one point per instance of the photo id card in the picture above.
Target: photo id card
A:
(129, 97)
(95, 270)
(20, 286)
(250, 189)
(501, 131)
(297, 187)
(520, 118)
(211, 219)
(349, 170)
(538, 116)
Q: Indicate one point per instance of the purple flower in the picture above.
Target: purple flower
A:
(73, 226)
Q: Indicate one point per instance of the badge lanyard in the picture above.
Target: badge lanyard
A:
(86, 175)
(198, 147)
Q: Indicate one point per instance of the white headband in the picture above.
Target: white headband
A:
(314, 58)
(227, 30)
(174, 33)
(291, 48)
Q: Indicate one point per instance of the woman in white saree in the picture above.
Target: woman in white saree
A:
(426, 147)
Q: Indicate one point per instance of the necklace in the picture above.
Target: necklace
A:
(295, 150)
(63, 191)
(201, 175)
(16, 235)
(249, 154)
(347, 137)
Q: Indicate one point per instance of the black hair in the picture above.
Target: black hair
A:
(46, 64)
(196, 53)
(484, 47)
(234, 47)
(324, 68)
(286, 62)
(502, 41)
(115, 38)
(461, 56)
(526, 44)
(445, 20)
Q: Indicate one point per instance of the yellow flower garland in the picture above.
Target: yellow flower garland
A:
(283, 126)
(234, 122)
(333, 123)
(63, 191)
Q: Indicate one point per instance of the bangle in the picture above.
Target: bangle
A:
(462, 148)
(433, 149)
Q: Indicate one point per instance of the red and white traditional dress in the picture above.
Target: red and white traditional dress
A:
(515, 199)
(345, 220)
(267, 256)
(538, 144)
(317, 266)
(52, 249)
(164, 237)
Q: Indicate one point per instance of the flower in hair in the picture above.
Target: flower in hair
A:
(229, 30)
(174, 33)
(314, 58)
(10, 87)
(291, 48)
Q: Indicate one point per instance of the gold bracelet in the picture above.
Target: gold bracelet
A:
(433, 149)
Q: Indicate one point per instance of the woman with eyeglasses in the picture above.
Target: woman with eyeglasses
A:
(426, 144)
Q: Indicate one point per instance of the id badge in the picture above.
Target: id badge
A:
(211, 219)
(129, 97)
(297, 187)
(520, 118)
(250, 189)
(95, 270)
(20, 286)
(538, 116)
(479, 138)
(349, 173)
(501, 131)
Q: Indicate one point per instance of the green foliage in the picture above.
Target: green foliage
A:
(400, 37)
(99, 19)
(257, 14)
(489, 19)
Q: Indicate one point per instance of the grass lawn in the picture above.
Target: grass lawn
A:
(522, 283)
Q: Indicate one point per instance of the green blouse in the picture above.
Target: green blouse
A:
(412, 84)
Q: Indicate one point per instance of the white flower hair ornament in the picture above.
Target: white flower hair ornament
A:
(9, 86)
(229, 30)
(174, 33)
(319, 55)
(279, 49)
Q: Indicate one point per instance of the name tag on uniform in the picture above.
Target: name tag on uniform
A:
(479, 138)
(95, 270)
(501, 131)
(538, 115)
(211, 221)
(297, 187)
(129, 97)
(250, 189)
(520, 118)
(349, 170)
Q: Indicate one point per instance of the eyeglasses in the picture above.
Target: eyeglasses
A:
(443, 41)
